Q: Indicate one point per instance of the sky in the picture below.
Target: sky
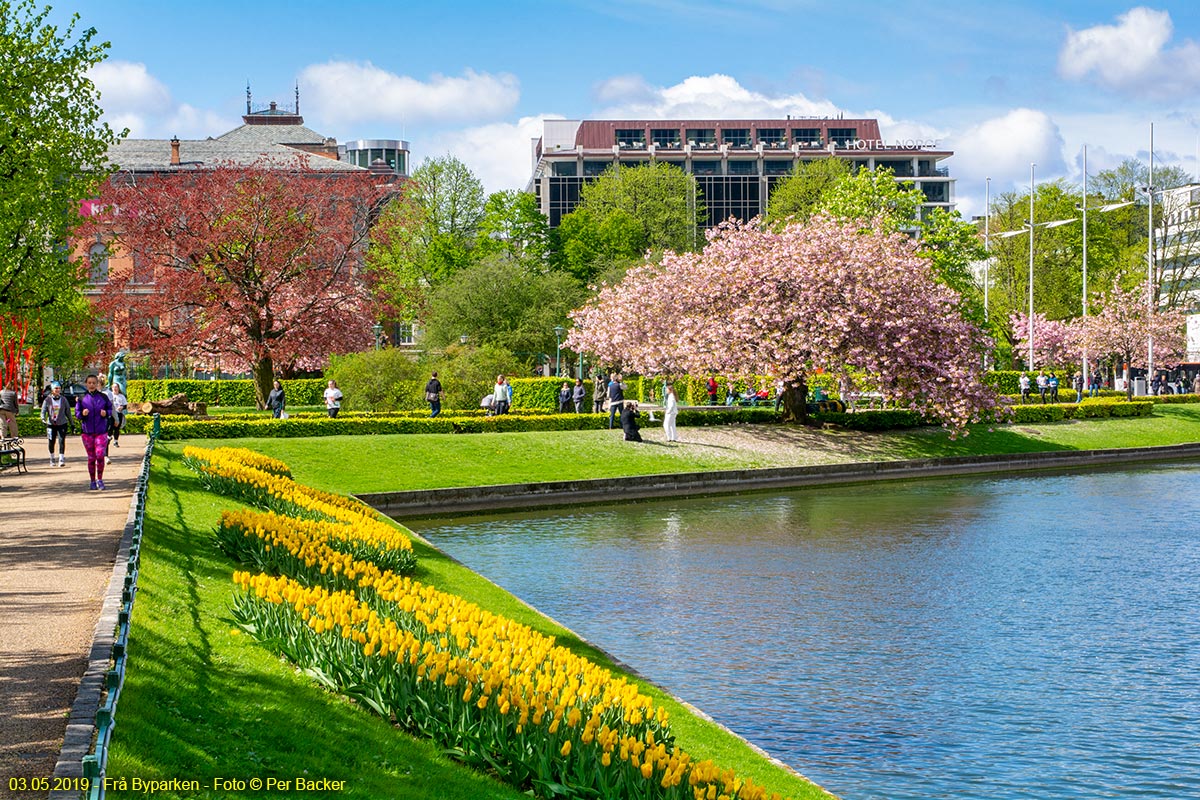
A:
(1001, 83)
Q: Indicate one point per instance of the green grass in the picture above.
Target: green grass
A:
(203, 701)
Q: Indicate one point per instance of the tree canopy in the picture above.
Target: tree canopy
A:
(53, 150)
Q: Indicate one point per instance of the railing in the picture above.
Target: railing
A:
(95, 763)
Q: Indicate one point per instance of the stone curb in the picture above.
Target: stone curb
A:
(81, 722)
(479, 499)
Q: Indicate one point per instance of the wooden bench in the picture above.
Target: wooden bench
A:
(12, 455)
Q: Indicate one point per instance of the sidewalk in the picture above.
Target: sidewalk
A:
(57, 545)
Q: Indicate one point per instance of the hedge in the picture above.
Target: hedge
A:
(240, 392)
(887, 420)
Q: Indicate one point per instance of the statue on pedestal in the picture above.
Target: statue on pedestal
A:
(116, 371)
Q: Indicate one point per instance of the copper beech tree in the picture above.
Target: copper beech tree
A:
(819, 295)
(245, 267)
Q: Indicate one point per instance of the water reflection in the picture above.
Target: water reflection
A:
(988, 638)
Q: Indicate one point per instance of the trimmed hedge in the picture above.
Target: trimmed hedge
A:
(240, 392)
(1095, 408)
(887, 420)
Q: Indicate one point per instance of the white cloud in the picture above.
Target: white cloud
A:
(133, 98)
(499, 154)
(700, 97)
(1132, 56)
(1002, 148)
(346, 92)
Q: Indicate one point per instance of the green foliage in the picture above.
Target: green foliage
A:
(1038, 413)
(952, 245)
(53, 155)
(513, 226)
(541, 394)
(874, 195)
(377, 380)
(886, 420)
(800, 195)
(468, 373)
(502, 303)
(299, 391)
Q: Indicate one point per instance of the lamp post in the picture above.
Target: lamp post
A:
(559, 330)
(377, 329)
(464, 339)
(1031, 232)
(1084, 374)
(1150, 262)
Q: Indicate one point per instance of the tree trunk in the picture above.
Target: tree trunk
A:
(795, 400)
(264, 378)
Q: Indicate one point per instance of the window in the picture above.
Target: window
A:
(736, 137)
(142, 271)
(843, 137)
(665, 137)
(807, 137)
(777, 166)
(630, 138)
(730, 196)
(743, 167)
(710, 167)
(98, 261)
(402, 333)
(773, 138)
(704, 138)
(934, 192)
(566, 169)
(679, 165)
(564, 197)
(593, 168)
(901, 168)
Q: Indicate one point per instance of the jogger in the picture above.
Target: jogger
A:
(93, 411)
(56, 416)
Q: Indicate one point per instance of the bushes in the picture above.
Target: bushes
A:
(893, 419)
(300, 392)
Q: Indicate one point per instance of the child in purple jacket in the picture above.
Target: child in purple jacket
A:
(93, 411)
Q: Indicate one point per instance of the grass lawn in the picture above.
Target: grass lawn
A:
(202, 701)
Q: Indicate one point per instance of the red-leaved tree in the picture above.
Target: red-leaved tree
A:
(822, 295)
(1124, 326)
(247, 267)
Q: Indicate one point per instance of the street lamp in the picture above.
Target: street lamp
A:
(378, 331)
(559, 330)
(464, 339)
(1031, 232)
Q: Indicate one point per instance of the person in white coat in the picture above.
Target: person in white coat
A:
(671, 412)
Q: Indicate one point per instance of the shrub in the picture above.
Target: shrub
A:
(240, 392)
(892, 419)
(376, 380)
(1038, 413)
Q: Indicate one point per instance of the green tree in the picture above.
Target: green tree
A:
(514, 226)
(625, 213)
(801, 194)
(425, 235)
(53, 154)
(503, 303)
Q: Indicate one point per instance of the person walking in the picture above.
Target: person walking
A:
(1052, 383)
(433, 395)
(93, 410)
(599, 392)
(277, 400)
(56, 416)
(333, 399)
(1023, 383)
(8, 411)
(1196, 384)
(712, 390)
(1043, 385)
(500, 395)
(1077, 382)
(616, 397)
(579, 395)
(1094, 388)
(119, 402)
(564, 398)
(669, 415)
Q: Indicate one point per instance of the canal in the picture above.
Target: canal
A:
(1004, 637)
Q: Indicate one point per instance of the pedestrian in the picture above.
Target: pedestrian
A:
(433, 395)
(564, 398)
(629, 425)
(93, 410)
(1023, 382)
(56, 416)
(599, 392)
(500, 395)
(1094, 388)
(1043, 385)
(119, 402)
(712, 390)
(579, 395)
(669, 415)
(616, 397)
(333, 399)
(8, 411)
(1196, 384)
(277, 400)
(1052, 382)
(1077, 384)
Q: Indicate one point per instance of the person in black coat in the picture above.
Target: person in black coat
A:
(433, 396)
(629, 423)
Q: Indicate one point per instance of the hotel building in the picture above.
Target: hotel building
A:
(735, 163)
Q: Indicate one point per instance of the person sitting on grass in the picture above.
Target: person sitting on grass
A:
(629, 424)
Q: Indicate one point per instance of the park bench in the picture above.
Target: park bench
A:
(12, 455)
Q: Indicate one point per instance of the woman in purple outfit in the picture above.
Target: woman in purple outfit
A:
(93, 410)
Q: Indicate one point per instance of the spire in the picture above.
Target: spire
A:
(297, 98)
(247, 95)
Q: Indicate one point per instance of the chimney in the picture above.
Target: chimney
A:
(174, 151)
(273, 106)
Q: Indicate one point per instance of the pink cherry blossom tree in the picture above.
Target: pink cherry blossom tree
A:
(820, 295)
(1055, 343)
(1124, 326)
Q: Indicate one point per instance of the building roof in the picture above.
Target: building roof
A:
(263, 135)
(154, 155)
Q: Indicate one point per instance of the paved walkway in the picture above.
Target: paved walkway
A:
(57, 545)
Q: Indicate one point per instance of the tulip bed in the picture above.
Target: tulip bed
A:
(494, 693)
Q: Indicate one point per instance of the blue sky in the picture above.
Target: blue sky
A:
(1001, 83)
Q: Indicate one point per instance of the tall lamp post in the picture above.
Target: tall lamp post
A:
(377, 329)
(1150, 262)
(1031, 232)
(559, 330)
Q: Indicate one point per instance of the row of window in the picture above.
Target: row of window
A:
(743, 138)
(98, 268)
(733, 166)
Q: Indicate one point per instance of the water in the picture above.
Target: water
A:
(1017, 637)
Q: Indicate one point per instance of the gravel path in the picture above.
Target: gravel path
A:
(57, 544)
